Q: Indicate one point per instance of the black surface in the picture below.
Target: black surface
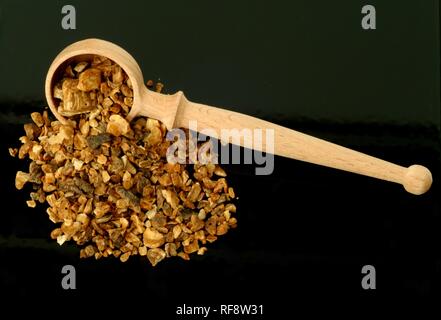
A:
(305, 231)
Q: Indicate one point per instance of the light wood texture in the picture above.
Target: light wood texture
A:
(292, 144)
(176, 111)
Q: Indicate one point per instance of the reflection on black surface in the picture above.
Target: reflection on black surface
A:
(305, 229)
(297, 227)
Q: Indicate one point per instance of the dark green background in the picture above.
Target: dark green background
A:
(305, 230)
(272, 58)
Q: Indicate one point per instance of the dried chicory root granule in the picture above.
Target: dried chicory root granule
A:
(107, 181)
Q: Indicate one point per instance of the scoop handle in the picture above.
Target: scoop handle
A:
(416, 179)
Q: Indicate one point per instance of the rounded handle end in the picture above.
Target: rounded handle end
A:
(417, 179)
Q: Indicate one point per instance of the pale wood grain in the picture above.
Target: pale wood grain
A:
(176, 111)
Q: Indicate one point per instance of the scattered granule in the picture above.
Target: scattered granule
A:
(107, 182)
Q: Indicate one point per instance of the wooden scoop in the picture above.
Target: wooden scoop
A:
(176, 111)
